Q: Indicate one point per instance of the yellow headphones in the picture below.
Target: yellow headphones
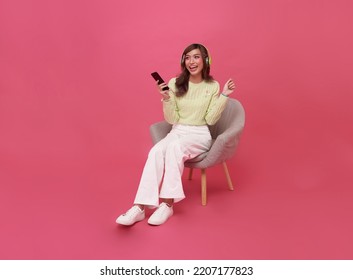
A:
(207, 59)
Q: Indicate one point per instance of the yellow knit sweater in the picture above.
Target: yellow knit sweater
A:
(201, 105)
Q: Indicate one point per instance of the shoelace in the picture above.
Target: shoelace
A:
(162, 208)
(132, 211)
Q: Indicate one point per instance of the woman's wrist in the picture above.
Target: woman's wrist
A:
(224, 94)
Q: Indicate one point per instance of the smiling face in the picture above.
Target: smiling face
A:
(194, 64)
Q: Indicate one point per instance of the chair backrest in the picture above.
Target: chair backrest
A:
(233, 116)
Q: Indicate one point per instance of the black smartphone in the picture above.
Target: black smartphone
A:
(158, 78)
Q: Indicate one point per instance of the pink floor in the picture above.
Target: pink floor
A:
(288, 204)
(77, 99)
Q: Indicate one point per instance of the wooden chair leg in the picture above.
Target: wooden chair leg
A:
(203, 187)
(190, 173)
(230, 184)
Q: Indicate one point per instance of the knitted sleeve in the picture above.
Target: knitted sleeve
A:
(170, 106)
(216, 106)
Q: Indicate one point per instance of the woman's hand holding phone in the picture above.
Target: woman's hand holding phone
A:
(161, 85)
(163, 91)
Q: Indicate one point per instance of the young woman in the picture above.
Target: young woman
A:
(192, 102)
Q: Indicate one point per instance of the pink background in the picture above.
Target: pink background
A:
(76, 101)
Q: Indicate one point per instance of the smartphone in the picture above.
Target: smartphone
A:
(158, 78)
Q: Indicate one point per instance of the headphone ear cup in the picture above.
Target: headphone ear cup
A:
(208, 59)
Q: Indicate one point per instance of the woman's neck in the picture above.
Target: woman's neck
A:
(196, 79)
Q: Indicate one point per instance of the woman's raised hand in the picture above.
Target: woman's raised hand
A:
(228, 87)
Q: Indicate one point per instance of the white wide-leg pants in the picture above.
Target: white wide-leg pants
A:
(161, 176)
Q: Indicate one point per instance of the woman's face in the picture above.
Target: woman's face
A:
(194, 62)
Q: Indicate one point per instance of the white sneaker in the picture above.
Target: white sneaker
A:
(161, 215)
(133, 215)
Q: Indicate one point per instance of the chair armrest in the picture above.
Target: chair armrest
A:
(226, 143)
(159, 130)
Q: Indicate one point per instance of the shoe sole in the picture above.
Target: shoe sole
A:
(152, 223)
(129, 224)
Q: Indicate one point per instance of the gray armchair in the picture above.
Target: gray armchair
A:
(225, 134)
